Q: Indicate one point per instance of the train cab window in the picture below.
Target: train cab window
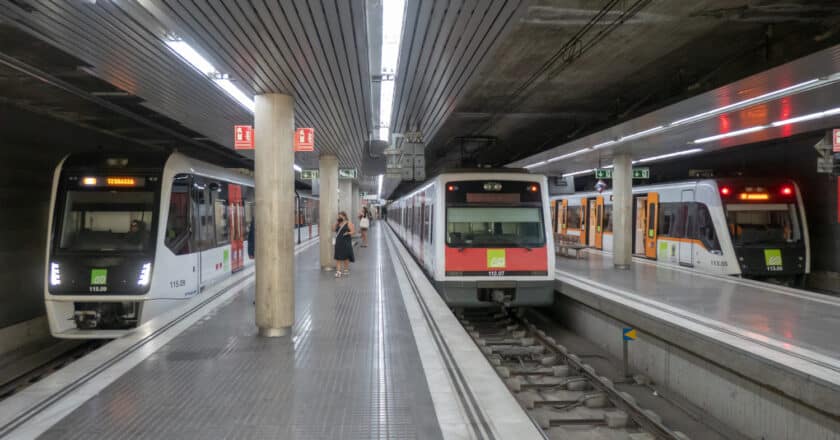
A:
(178, 221)
(107, 220)
(494, 226)
(706, 229)
(763, 224)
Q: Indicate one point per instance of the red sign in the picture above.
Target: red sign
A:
(305, 139)
(836, 139)
(243, 137)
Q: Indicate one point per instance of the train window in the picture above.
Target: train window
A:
(496, 226)
(248, 200)
(667, 218)
(204, 234)
(608, 221)
(763, 224)
(221, 216)
(706, 229)
(573, 217)
(178, 220)
(107, 220)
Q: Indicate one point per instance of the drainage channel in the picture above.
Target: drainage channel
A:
(566, 397)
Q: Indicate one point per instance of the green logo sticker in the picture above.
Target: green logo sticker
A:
(226, 258)
(495, 258)
(98, 277)
(773, 257)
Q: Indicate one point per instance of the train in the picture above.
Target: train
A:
(482, 237)
(130, 236)
(750, 227)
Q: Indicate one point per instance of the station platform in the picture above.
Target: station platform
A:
(782, 338)
(373, 355)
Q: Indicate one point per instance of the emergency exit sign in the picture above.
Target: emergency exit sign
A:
(641, 173)
(309, 174)
(607, 173)
(603, 173)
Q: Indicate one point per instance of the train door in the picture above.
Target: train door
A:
(564, 216)
(640, 224)
(554, 217)
(652, 224)
(237, 252)
(592, 227)
(584, 215)
(687, 243)
(599, 222)
(200, 199)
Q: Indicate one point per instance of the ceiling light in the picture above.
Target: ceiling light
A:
(730, 134)
(534, 165)
(767, 96)
(601, 145)
(379, 191)
(297, 168)
(669, 155)
(575, 173)
(206, 68)
(640, 133)
(808, 117)
(392, 24)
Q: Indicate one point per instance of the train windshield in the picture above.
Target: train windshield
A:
(764, 224)
(106, 221)
(494, 227)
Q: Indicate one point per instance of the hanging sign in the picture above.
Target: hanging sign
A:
(243, 137)
(347, 173)
(836, 140)
(309, 174)
(305, 139)
(641, 173)
(628, 333)
(603, 173)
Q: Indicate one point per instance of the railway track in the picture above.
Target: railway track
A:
(42, 368)
(565, 397)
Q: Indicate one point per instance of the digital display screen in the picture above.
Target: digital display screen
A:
(493, 198)
(112, 181)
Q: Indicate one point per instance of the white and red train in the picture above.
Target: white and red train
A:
(741, 226)
(483, 237)
(132, 236)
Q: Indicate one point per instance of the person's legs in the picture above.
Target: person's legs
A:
(337, 268)
(346, 266)
(364, 237)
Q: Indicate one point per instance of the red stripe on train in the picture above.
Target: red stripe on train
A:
(476, 259)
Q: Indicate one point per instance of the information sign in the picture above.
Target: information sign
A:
(309, 174)
(243, 137)
(628, 333)
(305, 139)
(347, 173)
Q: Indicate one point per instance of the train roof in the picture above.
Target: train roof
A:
(684, 183)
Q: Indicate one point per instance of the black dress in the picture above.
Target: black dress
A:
(343, 244)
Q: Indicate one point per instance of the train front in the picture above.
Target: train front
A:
(767, 225)
(101, 244)
(498, 245)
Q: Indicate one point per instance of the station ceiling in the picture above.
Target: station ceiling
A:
(485, 82)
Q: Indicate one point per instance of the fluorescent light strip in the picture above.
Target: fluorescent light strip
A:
(730, 134)
(746, 102)
(206, 68)
(640, 133)
(577, 173)
(392, 27)
(669, 155)
(379, 191)
(809, 117)
(297, 168)
(534, 165)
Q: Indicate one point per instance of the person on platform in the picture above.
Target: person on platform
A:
(364, 225)
(344, 231)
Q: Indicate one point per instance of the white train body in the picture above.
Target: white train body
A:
(495, 244)
(105, 275)
(750, 227)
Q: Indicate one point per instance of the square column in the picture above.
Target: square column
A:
(622, 211)
(275, 214)
(357, 205)
(345, 198)
(327, 207)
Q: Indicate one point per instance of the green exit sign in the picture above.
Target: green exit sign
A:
(603, 173)
(309, 174)
(641, 173)
(607, 173)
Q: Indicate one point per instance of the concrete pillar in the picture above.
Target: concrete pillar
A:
(357, 204)
(622, 214)
(345, 197)
(275, 210)
(327, 207)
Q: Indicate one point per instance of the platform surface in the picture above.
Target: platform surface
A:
(799, 323)
(351, 370)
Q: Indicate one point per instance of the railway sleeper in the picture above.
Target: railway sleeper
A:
(513, 350)
(519, 383)
(533, 399)
(556, 371)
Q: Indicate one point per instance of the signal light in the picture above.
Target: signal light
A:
(787, 191)
(533, 188)
(89, 181)
(725, 191)
(451, 188)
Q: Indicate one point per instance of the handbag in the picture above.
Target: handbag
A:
(364, 223)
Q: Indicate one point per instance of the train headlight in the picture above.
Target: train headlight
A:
(145, 275)
(55, 274)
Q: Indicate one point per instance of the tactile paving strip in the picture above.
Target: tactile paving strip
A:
(351, 371)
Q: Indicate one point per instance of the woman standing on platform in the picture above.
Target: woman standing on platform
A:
(343, 244)
(364, 225)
